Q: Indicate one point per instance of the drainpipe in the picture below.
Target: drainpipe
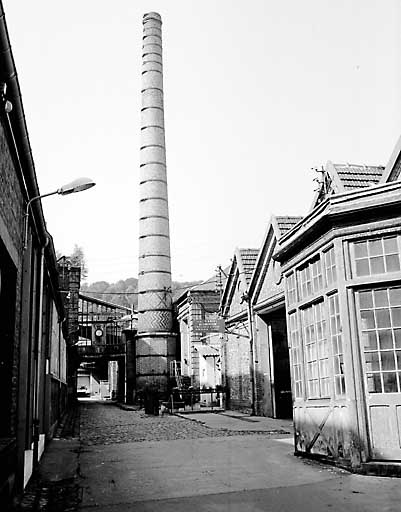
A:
(8, 75)
(252, 372)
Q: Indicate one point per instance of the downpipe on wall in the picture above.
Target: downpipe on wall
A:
(252, 372)
(36, 420)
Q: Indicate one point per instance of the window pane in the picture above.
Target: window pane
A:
(369, 340)
(361, 249)
(366, 300)
(368, 320)
(385, 339)
(388, 361)
(383, 318)
(396, 317)
(374, 383)
(398, 358)
(395, 296)
(381, 298)
(390, 382)
(375, 247)
(392, 263)
(372, 361)
(362, 267)
(377, 265)
(397, 338)
(390, 245)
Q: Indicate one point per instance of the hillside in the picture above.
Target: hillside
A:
(124, 292)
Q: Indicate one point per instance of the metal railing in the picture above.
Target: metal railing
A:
(193, 400)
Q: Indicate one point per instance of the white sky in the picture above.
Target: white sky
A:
(256, 93)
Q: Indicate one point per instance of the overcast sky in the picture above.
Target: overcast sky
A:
(256, 93)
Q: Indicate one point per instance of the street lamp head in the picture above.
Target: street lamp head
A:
(77, 185)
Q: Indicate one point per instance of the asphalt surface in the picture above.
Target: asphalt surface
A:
(126, 460)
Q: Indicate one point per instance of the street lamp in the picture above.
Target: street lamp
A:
(77, 185)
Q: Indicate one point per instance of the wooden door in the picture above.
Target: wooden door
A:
(379, 322)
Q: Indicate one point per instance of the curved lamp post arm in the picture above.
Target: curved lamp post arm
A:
(26, 216)
(77, 185)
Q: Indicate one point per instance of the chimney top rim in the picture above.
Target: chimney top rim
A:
(152, 16)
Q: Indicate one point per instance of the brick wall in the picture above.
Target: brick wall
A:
(70, 282)
(11, 197)
(11, 238)
(236, 369)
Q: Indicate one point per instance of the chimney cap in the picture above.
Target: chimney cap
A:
(152, 16)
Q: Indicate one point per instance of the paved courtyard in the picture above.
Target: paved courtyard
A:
(126, 460)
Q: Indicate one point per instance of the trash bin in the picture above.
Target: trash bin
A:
(151, 401)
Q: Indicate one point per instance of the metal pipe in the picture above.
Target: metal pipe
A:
(36, 420)
(247, 298)
(17, 117)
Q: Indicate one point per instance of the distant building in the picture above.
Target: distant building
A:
(105, 332)
(199, 326)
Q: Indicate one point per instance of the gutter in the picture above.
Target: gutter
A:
(19, 131)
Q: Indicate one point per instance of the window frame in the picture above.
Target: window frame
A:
(373, 275)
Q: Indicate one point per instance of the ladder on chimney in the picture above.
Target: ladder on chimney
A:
(175, 370)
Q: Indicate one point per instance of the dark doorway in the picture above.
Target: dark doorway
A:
(282, 377)
(7, 327)
(279, 377)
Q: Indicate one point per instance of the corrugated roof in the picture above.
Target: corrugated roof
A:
(358, 176)
(248, 258)
(286, 223)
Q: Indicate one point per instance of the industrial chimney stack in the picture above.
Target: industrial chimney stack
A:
(155, 343)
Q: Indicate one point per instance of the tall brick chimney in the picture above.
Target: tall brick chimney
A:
(155, 343)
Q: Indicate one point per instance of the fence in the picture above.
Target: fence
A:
(192, 400)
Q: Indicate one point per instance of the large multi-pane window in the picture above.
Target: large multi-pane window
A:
(296, 355)
(316, 351)
(380, 324)
(330, 267)
(336, 345)
(376, 256)
(310, 278)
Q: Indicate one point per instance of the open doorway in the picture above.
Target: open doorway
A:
(278, 377)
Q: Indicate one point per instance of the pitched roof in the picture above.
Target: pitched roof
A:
(393, 168)
(284, 224)
(358, 176)
(207, 351)
(248, 259)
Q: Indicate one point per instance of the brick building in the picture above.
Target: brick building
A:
(238, 366)
(198, 322)
(33, 340)
(256, 359)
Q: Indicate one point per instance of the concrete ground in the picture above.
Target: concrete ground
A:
(205, 462)
(239, 422)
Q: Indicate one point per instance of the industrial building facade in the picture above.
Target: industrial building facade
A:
(313, 319)
(341, 267)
